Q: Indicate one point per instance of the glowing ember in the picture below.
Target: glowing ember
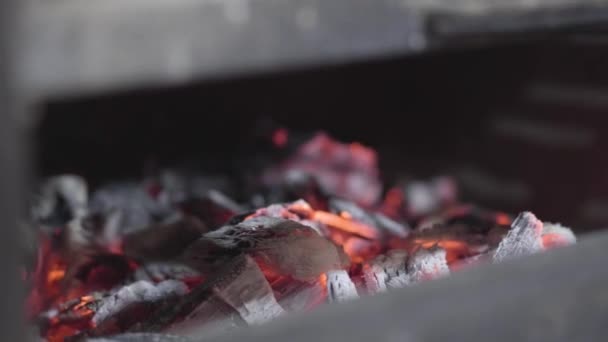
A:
(156, 256)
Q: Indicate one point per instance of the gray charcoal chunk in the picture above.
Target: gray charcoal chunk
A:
(524, 238)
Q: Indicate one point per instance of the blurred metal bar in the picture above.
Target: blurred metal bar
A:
(559, 295)
(74, 47)
(11, 154)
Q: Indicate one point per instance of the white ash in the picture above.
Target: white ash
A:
(426, 197)
(250, 294)
(158, 271)
(554, 234)
(137, 208)
(141, 291)
(340, 287)
(524, 238)
(427, 264)
(70, 189)
(386, 271)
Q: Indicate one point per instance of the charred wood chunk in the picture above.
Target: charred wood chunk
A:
(214, 208)
(60, 200)
(340, 287)
(295, 295)
(250, 294)
(347, 170)
(132, 205)
(212, 316)
(163, 241)
(159, 271)
(386, 271)
(427, 264)
(282, 246)
(523, 238)
(131, 303)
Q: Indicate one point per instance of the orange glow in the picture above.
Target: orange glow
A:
(554, 240)
(323, 280)
(346, 215)
(280, 137)
(341, 223)
(55, 275)
(503, 219)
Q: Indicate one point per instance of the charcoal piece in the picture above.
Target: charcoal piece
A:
(212, 317)
(377, 220)
(250, 294)
(391, 226)
(524, 238)
(214, 208)
(163, 241)
(340, 287)
(423, 198)
(294, 295)
(141, 337)
(60, 200)
(283, 246)
(356, 212)
(178, 185)
(346, 170)
(386, 271)
(134, 207)
(159, 271)
(556, 235)
(299, 211)
(138, 292)
(426, 264)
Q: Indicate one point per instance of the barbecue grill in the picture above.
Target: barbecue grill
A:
(506, 97)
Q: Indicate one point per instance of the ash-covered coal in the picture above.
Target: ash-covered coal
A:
(183, 254)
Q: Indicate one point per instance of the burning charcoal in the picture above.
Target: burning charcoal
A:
(372, 219)
(114, 309)
(556, 235)
(294, 295)
(250, 294)
(60, 200)
(133, 205)
(346, 170)
(282, 246)
(524, 238)
(340, 287)
(427, 264)
(159, 271)
(163, 241)
(426, 197)
(214, 208)
(212, 317)
(386, 271)
(178, 185)
(140, 337)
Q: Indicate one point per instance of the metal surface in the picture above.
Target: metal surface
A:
(559, 295)
(11, 155)
(74, 47)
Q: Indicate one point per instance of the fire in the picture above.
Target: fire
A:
(55, 275)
